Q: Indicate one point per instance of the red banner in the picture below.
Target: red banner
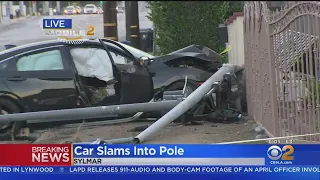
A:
(36, 154)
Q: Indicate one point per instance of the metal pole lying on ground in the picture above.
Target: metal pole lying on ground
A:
(90, 112)
(110, 20)
(185, 105)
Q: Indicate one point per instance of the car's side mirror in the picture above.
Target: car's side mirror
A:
(9, 46)
(144, 61)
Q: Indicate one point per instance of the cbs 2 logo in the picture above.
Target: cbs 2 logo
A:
(275, 153)
(90, 31)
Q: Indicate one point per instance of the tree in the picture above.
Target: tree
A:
(180, 24)
(234, 6)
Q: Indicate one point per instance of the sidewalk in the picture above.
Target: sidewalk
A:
(6, 20)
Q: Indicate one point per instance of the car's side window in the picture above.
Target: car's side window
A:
(119, 58)
(43, 61)
(92, 62)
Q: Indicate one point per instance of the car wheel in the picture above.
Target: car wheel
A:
(180, 85)
(9, 128)
(191, 86)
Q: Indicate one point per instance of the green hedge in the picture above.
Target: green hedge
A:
(180, 24)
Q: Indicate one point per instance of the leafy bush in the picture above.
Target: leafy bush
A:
(234, 6)
(225, 58)
(179, 24)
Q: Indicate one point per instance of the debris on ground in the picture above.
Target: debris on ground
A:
(175, 133)
(226, 116)
(139, 128)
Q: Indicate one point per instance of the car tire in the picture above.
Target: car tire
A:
(179, 86)
(193, 86)
(11, 129)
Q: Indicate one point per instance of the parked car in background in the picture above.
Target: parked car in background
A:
(70, 10)
(100, 10)
(90, 9)
(79, 10)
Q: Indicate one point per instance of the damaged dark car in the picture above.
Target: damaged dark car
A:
(53, 75)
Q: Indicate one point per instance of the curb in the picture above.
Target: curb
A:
(21, 18)
(13, 21)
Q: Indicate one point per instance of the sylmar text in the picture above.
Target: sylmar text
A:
(87, 161)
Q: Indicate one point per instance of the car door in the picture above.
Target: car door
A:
(42, 79)
(136, 81)
(96, 74)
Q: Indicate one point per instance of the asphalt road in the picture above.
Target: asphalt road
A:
(29, 30)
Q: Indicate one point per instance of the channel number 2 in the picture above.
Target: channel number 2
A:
(90, 31)
(288, 154)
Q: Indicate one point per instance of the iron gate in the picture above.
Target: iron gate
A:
(282, 67)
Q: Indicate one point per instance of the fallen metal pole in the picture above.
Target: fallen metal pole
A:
(90, 112)
(113, 121)
(107, 122)
(185, 105)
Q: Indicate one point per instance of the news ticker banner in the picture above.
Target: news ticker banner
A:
(161, 172)
(282, 176)
(159, 169)
(159, 155)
